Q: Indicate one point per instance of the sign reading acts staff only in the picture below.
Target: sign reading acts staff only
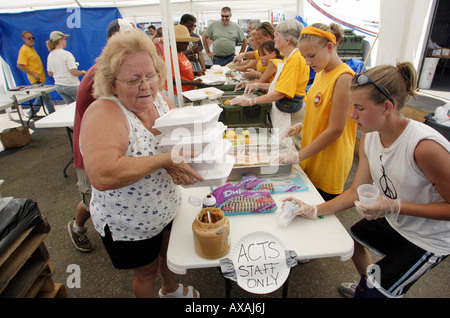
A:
(260, 263)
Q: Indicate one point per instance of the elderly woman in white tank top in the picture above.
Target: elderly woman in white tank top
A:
(135, 185)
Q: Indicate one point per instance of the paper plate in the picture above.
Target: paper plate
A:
(259, 259)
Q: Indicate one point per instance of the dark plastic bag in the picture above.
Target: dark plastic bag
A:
(290, 105)
(15, 218)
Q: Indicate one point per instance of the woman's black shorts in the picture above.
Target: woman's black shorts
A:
(133, 254)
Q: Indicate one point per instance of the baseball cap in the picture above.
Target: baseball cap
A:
(56, 35)
(118, 25)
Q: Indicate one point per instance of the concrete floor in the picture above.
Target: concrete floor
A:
(35, 171)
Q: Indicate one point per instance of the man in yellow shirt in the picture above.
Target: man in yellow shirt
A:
(30, 63)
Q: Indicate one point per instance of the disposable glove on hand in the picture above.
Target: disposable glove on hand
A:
(292, 131)
(249, 88)
(238, 58)
(242, 100)
(304, 210)
(240, 85)
(382, 207)
(251, 74)
(289, 157)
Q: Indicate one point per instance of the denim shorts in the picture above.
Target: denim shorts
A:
(68, 93)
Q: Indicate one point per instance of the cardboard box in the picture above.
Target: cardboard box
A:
(443, 53)
(434, 53)
(15, 137)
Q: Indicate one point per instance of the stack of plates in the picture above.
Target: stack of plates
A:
(196, 129)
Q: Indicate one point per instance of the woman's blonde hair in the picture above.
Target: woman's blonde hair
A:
(400, 82)
(117, 48)
(267, 29)
(51, 45)
(333, 28)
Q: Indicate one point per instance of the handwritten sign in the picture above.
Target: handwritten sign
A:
(260, 262)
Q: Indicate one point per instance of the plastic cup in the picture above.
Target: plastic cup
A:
(368, 194)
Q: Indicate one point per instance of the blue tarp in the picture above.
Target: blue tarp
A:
(86, 27)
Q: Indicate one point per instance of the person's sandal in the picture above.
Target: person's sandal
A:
(179, 293)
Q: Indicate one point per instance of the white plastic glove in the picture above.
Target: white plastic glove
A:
(242, 100)
(250, 88)
(238, 58)
(240, 85)
(292, 131)
(304, 210)
(289, 157)
(251, 74)
(382, 207)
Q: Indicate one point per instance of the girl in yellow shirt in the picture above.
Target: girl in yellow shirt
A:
(269, 57)
(329, 135)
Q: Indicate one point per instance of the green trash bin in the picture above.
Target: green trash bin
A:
(243, 116)
(352, 46)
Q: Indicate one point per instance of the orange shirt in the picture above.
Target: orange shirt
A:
(186, 73)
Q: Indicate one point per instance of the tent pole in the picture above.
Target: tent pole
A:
(165, 29)
(173, 51)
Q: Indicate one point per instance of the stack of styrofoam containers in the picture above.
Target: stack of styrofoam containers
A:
(197, 129)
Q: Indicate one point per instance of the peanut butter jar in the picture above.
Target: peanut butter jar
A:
(211, 235)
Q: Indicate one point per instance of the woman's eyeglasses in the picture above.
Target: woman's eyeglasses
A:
(137, 81)
(386, 184)
(363, 79)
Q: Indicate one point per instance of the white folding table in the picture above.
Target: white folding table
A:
(324, 237)
(63, 117)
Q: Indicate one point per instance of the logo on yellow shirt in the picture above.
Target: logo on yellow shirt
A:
(318, 99)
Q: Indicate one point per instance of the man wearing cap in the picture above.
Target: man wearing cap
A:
(224, 34)
(30, 63)
(183, 37)
(62, 67)
(76, 227)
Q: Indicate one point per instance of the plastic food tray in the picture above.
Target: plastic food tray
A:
(194, 120)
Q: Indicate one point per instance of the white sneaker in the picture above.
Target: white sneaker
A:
(348, 289)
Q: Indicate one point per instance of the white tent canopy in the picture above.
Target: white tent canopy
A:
(150, 10)
(404, 25)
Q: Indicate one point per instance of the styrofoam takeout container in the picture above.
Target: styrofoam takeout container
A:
(194, 119)
(180, 137)
(213, 79)
(216, 176)
(203, 93)
(213, 154)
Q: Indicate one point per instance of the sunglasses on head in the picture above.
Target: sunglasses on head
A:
(363, 79)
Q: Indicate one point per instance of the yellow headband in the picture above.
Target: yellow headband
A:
(318, 32)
